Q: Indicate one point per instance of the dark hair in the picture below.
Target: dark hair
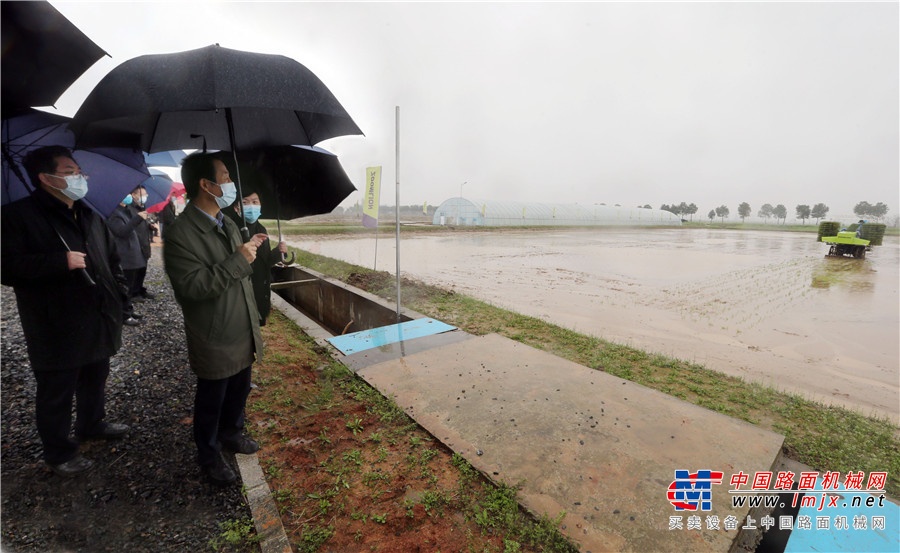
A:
(43, 160)
(196, 166)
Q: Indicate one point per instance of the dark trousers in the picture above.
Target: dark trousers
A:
(127, 304)
(219, 413)
(53, 406)
(136, 282)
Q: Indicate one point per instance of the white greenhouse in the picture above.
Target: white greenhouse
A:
(474, 212)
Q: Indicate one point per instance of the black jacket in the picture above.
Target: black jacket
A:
(166, 217)
(67, 322)
(266, 258)
(142, 230)
(123, 224)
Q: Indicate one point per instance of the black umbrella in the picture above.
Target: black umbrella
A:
(43, 54)
(229, 99)
(215, 97)
(294, 181)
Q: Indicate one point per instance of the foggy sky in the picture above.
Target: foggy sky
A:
(628, 103)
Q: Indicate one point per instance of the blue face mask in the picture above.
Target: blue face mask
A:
(76, 186)
(128, 200)
(252, 212)
(229, 193)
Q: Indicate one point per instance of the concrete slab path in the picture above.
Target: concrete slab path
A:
(578, 441)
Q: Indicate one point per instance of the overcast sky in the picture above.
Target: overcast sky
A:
(628, 103)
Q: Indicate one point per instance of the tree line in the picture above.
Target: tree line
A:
(863, 210)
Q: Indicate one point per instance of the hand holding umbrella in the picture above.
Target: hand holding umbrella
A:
(248, 248)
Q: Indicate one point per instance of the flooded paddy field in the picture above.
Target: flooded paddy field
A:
(765, 306)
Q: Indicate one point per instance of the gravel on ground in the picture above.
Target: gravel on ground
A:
(145, 492)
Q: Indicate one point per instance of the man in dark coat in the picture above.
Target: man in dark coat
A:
(266, 256)
(145, 231)
(208, 265)
(123, 224)
(62, 264)
(166, 217)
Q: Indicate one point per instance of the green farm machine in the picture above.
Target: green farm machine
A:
(852, 241)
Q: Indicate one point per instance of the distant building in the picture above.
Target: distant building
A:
(489, 213)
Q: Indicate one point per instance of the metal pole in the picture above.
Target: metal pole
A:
(397, 202)
(459, 203)
(245, 232)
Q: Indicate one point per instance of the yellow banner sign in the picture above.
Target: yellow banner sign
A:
(370, 202)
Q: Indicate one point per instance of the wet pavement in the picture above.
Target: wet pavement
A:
(600, 449)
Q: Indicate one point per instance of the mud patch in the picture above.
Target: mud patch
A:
(765, 306)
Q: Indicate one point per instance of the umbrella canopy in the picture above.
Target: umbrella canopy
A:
(294, 181)
(43, 54)
(114, 172)
(165, 159)
(212, 97)
(158, 187)
(177, 191)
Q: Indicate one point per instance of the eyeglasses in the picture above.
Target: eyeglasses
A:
(64, 175)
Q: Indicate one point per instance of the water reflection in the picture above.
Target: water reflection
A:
(853, 275)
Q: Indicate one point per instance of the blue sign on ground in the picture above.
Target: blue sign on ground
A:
(391, 334)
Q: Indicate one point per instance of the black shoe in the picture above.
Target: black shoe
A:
(72, 467)
(131, 321)
(241, 444)
(148, 295)
(219, 472)
(136, 316)
(106, 431)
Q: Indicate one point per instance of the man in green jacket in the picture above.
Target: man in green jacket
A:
(209, 267)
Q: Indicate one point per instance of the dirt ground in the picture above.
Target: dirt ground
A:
(350, 473)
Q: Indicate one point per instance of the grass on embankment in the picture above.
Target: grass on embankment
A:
(827, 438)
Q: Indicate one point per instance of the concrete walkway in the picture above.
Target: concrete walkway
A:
(577, 441)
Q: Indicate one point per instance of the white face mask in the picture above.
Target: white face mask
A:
(229, 194)
(76, 186)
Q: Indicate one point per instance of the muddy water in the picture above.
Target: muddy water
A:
(765, 306)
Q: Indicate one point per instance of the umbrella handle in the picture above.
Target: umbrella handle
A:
(284, 260)
(86, 276)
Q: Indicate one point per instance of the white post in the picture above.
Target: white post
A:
(397, 201)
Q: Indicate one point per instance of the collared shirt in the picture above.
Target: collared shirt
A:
(217, 219)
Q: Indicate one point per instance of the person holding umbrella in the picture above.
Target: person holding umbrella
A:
(266, 256)
(61, 261)
(144, 231)
(123, 224)
(209, 267)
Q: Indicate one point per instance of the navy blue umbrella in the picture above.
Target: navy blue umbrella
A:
(114, 171)
(170, 158)
(158, 187)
